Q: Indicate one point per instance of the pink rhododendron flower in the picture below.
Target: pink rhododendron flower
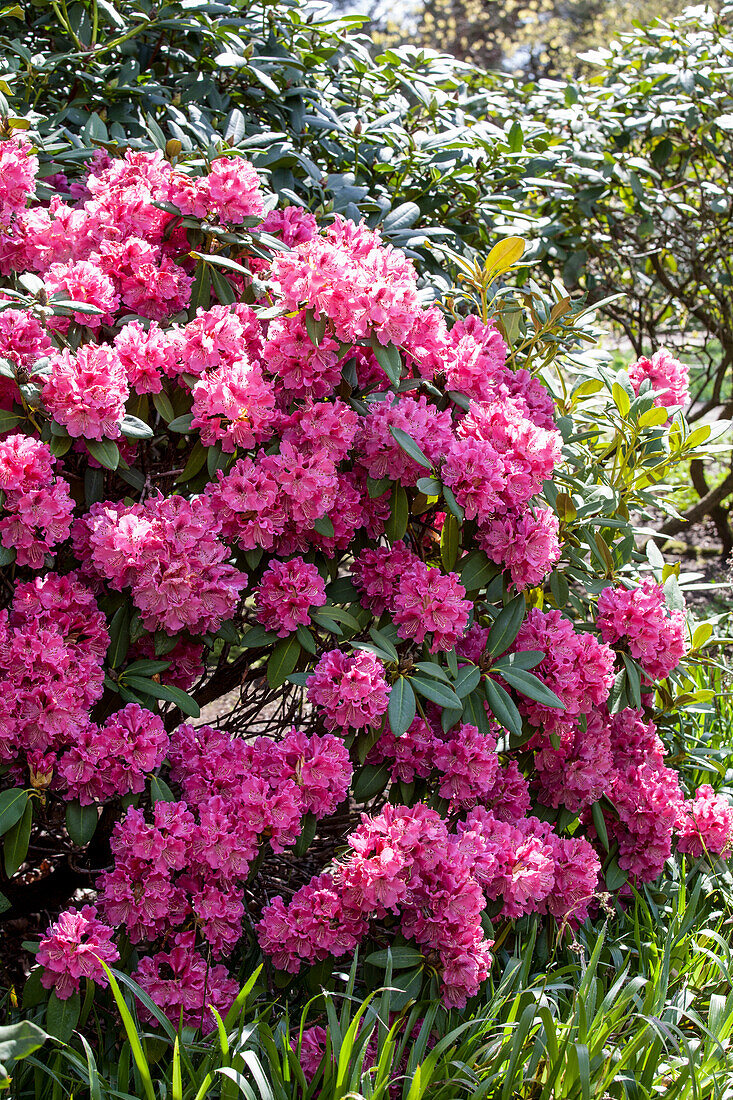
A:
(234, 405)
(18, 168)
(706, 824)
(86, 392)
(668, 377)
(349, 691)
(526, 545)
(638, 618)
(71, 949)
(430, 602)
(287, 592)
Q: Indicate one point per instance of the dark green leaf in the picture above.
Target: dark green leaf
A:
(9, 420)
(410, 447)
(403, 957)
(370, 781)
(600, 823)
(282, 661)
(16, 842)
(506, 626)
(81, 822)
(324, 526)
(436, 692)
(476, 571)
(62, 1016)
(257, 637)
(181, 424)
(402, 706)
(12, 807)
(530, 686)
(503, 707)
(389, 359)
(119, 636)
(167, 692)
(160, 791)
(396, 525)
(105, 451)
(467, 680)
(449, 542)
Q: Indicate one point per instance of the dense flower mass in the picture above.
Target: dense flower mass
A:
(639, 619)
(668, 378)
(295, 482)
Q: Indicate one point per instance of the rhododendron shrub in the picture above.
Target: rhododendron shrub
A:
(246, 461)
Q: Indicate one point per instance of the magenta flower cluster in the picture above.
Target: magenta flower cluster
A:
(202, 469)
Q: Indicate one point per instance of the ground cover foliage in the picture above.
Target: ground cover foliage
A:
(246, 457)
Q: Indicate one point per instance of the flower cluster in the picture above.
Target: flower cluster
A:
(182, 466)
(35, 515)
(639, 620)
(668, 377)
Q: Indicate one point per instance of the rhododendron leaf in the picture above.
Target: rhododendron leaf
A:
(467, 680)
(503, 256)
(162, 403)
(633, 679)
(60, 445)
(134, 428)
(160, 791)
(283, 660)
(429, 487)
(525, 658)
(15, 846)
(673, 594)
(377, 488)
(506, 626)
(305, 638)
(503, 707)
(62, 1016)
(316, 329)
(66, 304)
(435, 692)
(396, 525)
(81, 822)
(307, 833)
(410, 447)
(449, 717)
(403, 957)
(324, 526)
(474, 711)
(370, 781)
(216, 459)
(476, 571)
(449, 542)
(565, 508)
(613, 875)
(384, 643)
(201, 289)
(703, 633)
(342, 590)
(605, 554)
(453, 506)
(105, 451)
(600, 824)
(223, 289)
(8, 555)
(530, 686)
(146, 667)
(402, 706)
(33, 991)
(559, 588)
(327, 624)
(9, 420)
(339, 615)
(389, 359)
(166, 692)
(430, 668)
(12, 808)
(300, 679)
(617, 696)
(196, 459)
